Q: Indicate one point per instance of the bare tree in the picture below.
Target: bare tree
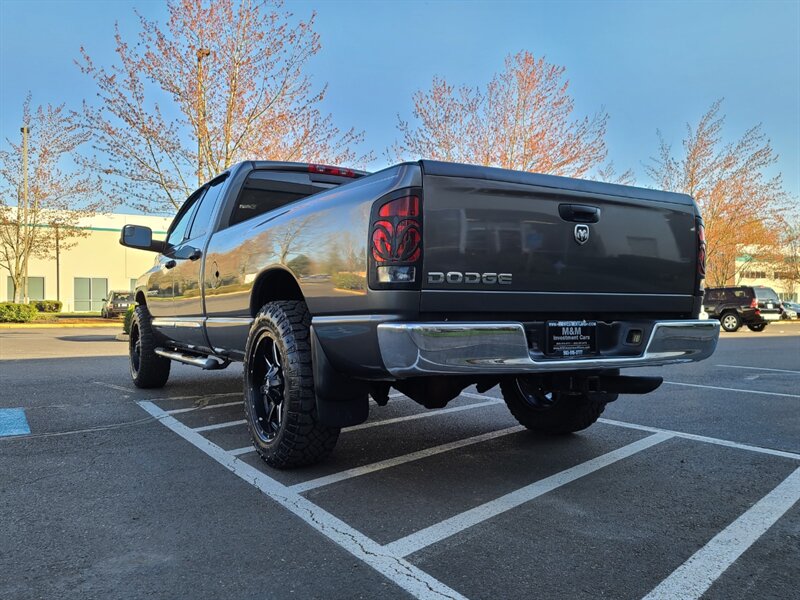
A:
(740, 204)
(608, 173)
(232, 73)
(523, 119)
(58, 197)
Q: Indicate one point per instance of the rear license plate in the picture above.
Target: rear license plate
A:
(571, 338)
(771, 316)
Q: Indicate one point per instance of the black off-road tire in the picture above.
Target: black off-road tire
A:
(148, 369)
(730, 321)
(567, 413)
(295, 438)
(757, 327)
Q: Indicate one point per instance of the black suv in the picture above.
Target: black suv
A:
(754, 306)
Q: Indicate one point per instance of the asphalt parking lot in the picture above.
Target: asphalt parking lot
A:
(688, 492)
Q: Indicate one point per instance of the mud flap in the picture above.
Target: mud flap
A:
(341, 400)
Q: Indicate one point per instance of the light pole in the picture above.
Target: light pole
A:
(26, 240)
(201, 113)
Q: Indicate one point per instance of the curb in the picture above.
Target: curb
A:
(122, 337)
(56, 325)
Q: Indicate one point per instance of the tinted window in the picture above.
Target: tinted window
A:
(265, 190)
(202, 218)
(177, 231)
(256, 201)
(713, 296)
(766, 294)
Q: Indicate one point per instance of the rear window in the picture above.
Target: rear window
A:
(123, 297)
(766, 294)
(264, 191)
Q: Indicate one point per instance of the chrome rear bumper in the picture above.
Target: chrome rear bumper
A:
(412, 349)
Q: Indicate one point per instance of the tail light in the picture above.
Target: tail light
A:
(701, 248)
(396, 241)
(754, 303)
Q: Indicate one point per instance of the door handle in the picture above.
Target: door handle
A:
(196, 254)
(170, 264)
(579, 213)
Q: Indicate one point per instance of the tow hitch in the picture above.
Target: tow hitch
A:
(608, 384)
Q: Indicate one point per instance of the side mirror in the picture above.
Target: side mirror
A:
(104, 300)
(141, 238)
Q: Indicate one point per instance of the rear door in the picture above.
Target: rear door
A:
(236, 254)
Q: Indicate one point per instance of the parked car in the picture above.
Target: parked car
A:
(116, 304)
(790, 310)
(333, 285)
(753, 306)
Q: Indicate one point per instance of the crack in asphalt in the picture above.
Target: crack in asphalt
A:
(402, 565)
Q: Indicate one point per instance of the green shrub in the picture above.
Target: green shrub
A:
(47, 306)
(17, 313)
(349, 281)
(126, 323)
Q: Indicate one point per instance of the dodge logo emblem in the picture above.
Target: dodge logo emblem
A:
(581, 234)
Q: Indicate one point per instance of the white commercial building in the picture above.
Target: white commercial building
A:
(83, 274)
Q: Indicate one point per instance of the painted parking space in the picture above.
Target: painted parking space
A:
(13, 422)
(639, 492)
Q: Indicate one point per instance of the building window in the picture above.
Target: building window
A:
(35, 289)
(89, 293)
(754, 275)
(133, 284)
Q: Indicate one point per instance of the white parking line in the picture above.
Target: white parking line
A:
(178, 411)
(727, 389)
(758, 368)
(705, 566)
(423, 415)
(449, 527)
(410, 578)
(218, 425)
(399, 460)
(702, 438)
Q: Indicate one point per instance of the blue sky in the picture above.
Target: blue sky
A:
(651, 65)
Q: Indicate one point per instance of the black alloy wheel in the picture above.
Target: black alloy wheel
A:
(266, 400)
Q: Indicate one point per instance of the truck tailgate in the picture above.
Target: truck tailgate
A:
(530, 238)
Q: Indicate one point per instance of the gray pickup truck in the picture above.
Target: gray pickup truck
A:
(333, 286)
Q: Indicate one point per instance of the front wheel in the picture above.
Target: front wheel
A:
(148, 369)
(757, 327)
(730, 322)
(551, 412)
(279, 398)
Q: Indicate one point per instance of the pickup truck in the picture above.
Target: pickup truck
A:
(333, 286)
